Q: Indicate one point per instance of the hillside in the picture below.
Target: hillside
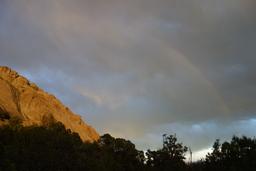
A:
(19, 97)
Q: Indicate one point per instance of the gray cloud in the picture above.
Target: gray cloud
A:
(130, 67)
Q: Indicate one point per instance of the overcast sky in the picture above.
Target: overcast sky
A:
(141, 68)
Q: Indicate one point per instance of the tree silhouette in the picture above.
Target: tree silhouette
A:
(122, 151)
(239, 154)
(53, 147)
(171, 156)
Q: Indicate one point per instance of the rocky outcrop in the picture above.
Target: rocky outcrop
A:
(20, 97)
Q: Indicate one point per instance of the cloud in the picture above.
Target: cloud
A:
(130, 67)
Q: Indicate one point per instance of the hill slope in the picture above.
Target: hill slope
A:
(19, 97)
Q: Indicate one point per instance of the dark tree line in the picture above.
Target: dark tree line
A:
(238, 154)
(51, 147)
(171, 156)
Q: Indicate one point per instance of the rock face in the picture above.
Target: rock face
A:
(19, 97)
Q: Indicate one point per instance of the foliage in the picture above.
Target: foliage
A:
(170, 157)
(239, 154)
(15, 122)
(38, 148)
(48, 120)
(120, 154)
(4, 116)
(52, 147)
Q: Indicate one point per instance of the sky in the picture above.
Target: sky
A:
(138, 69)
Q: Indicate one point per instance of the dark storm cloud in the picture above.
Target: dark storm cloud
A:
(133, 66)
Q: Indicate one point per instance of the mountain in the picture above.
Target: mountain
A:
(21, 98)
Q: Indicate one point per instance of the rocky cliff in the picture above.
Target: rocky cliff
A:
(19, 97)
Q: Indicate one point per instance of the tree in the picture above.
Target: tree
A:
(48, 120)
(15, 122)
(239, 154)
(121, 154)
(171, 156)
(4, 116)
(175, 150)
(216, 154)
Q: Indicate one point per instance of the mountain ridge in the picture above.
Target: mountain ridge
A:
(20, 97)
